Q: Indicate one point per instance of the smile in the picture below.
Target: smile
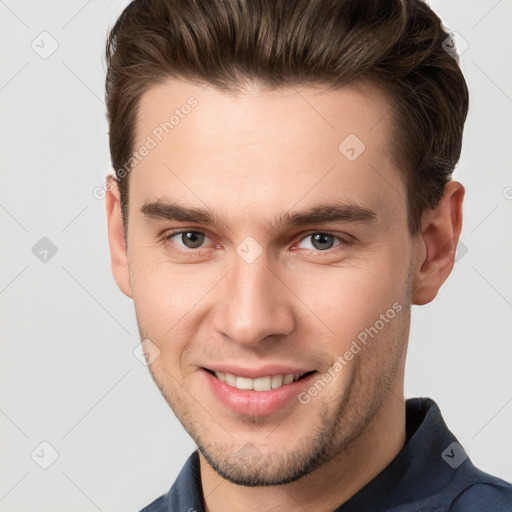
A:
(259, 384)
(257, 392)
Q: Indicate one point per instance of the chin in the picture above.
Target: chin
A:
(251, 466)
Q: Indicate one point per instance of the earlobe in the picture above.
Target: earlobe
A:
(118, 253)
(437, 243)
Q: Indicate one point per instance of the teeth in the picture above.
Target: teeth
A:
(288, 378)
(230, 379)
(277, 381)
(244, 383)
(262, 384)
(259, 384)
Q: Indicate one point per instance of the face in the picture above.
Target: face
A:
(294, 283)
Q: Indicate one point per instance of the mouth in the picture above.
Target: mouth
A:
(264, 383)
(260, 392)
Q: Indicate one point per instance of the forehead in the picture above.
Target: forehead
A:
(268, 147)
(256, 111)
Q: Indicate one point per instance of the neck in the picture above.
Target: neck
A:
(329, 486)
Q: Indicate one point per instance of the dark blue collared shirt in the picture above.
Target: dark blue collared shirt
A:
(432, 473)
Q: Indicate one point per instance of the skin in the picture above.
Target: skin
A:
(249, 158)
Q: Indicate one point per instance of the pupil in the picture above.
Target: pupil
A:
(192, 239)
(321, 238)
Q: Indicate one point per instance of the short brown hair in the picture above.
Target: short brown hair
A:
(397, 44)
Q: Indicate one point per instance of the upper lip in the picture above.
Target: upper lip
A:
(262, 371)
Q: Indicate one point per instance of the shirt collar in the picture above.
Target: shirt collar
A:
(418, 472)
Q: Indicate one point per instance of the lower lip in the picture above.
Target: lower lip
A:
(255, 403)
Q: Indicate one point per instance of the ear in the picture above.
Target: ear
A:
(118, 254)
(435, 247)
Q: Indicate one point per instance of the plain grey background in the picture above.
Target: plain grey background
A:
(69, 377)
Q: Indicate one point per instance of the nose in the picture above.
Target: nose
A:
(256, 303)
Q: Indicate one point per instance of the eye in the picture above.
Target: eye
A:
(324, 241)
(189, 239)
(192, 241)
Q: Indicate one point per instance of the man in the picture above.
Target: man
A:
(283, 195)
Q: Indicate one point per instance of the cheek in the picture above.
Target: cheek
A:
(164, 291)
(343, 301)
(164, 297)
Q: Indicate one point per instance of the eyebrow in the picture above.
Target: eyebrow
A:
(345, 211)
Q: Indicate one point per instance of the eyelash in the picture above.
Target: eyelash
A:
(189, 252)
